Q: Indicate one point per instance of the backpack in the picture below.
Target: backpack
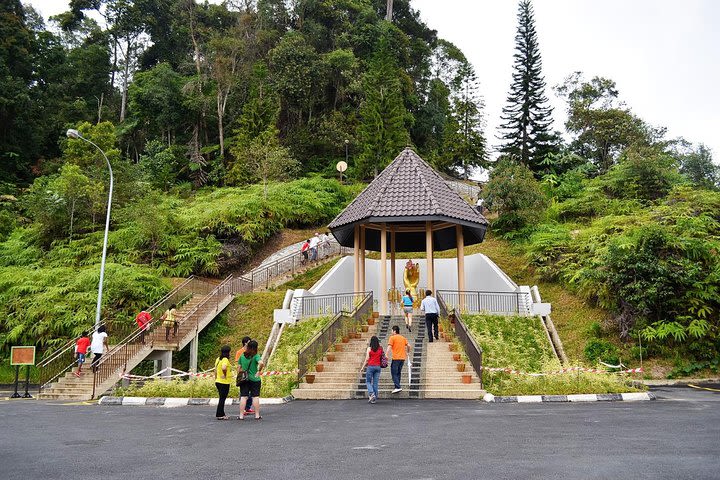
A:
(383, 360)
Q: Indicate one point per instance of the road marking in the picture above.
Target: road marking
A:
(703, 388)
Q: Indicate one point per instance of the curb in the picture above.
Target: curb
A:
(173, 402)
(600, 397)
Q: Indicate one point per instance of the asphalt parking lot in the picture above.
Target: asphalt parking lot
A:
(676, 436)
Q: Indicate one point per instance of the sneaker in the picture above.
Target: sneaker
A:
(397, 390)
(249, 411)
(77, 374)
(371, 399)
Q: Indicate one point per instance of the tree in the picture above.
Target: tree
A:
(527, 134)
(467, 142)
(72, 187)
(383, 115)
(156, 101)
(601, 125)
(515, 194)
(263, 159)
(697, 165)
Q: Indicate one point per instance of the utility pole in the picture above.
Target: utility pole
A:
(388, 13)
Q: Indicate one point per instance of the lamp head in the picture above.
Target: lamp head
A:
(72, 133)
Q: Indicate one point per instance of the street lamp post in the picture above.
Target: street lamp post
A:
(346, 150)
(75, 134)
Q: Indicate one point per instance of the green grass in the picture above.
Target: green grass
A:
(285, 357)
(520, 343)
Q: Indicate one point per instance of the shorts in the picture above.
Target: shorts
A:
(408, 309)
(248, 388)
(80, 358)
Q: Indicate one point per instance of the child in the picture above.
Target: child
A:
(81, 347)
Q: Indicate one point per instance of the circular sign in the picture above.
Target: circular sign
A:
(341, 166)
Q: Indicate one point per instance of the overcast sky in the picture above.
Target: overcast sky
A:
(663, 54)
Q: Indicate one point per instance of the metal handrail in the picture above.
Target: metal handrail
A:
(322, 340)
(262, 275)
(484, 301)
(472, 349)
(330, 304)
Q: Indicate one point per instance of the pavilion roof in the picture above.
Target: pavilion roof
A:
(409, 191)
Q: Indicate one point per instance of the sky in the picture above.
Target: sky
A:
(664, 55)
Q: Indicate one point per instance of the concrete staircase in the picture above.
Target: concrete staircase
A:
(434, 372)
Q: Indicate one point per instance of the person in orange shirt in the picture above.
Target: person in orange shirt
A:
(249, 404)
(399, 348)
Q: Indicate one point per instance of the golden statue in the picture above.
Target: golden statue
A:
(411, 278)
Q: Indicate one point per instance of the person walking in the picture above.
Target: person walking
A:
(245, 340)
(373, 361)
(98, 345)
(143, 320)
(430, 306)
(314, 241)
(223, 376)
(407, 301)
(304, 250)
(169, 321)
(399, 349)
(250, 362)
(81, 348)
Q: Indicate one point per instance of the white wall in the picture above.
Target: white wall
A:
(481, 274)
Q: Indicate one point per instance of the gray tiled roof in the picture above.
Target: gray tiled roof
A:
(411, 189)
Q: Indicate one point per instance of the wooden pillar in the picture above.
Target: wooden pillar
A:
(356, 270)
(392, 257)
(429, 258)
(362, 258)
(383, 270)
(460, 264)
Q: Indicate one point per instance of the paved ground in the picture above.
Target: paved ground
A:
(677, 436)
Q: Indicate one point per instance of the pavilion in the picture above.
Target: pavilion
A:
(407, 208)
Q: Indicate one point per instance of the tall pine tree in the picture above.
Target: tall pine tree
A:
(527, 135)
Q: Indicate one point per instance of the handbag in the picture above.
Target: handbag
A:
(383, 360)
(243, 375)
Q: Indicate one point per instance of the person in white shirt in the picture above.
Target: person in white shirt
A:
(430, 306)
(314, 241)
(98, 345)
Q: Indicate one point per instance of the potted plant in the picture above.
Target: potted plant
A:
(461, 367)
(319, 367)
(330, 356)
(339, 347)
(453, 347)
(364, 328)
(467, 378)
(371, 320)
(310, 377)
(456, 357)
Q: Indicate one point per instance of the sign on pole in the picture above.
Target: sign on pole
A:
(22, 355)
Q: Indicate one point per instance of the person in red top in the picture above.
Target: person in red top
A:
(304, 249)
(143, 320)
(373, 360)
(81, 348)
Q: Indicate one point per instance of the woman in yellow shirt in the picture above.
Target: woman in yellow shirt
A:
(223, 376)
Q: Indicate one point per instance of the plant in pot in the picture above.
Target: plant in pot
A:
(460, 366)
(453, 347)
(467, 378)
(310, 377)
(371, 320)
(456, 357)
(364, 328)
(330, 356)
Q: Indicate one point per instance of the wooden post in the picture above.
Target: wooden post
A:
(392, 257)
(356, 271)
(459, 238)
(362, 258)
(429, 257)
(383, 270)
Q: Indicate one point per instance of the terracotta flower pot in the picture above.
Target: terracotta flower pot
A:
(467, 378)
(346, 339)
(371, 321)
(310, 378)
(441, 328)
(456, 358)
(319, 367)
(330, 357)
(452, 347)
(461, 368)
(339, 347)
(442, 335)
(365, 328)
(375, 314)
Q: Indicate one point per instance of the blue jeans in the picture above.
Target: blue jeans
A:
(372, 378)
(395, 370)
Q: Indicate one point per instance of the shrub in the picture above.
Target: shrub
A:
(515, 194)
(601, 350)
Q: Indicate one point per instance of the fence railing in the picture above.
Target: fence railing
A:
(502, 303)
(262, 276)
(472, 349)
(320, 305)
(341, 324)
(118, 358)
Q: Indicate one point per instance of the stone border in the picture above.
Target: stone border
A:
(600, 397)
(172, 402)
